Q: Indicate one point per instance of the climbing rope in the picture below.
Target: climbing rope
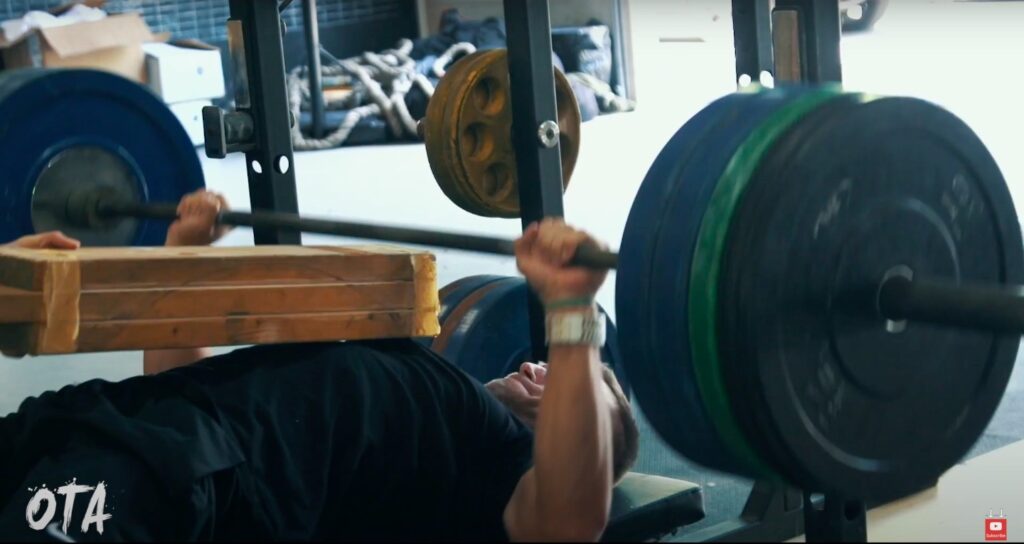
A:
(607, 100)
(379, 83)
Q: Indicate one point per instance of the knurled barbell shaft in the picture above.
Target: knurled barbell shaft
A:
(585, 256)
(944, 302)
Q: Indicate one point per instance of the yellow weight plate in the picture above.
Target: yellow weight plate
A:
(468, 134)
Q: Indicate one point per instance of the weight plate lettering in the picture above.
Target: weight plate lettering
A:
(746, 408)
(703, 275)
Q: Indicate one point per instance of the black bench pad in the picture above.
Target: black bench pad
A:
(646, 507)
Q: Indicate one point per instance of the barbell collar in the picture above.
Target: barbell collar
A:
(227, 132)
(943, 302)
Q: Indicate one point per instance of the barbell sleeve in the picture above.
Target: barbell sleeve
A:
(944, 302)
(586, 256)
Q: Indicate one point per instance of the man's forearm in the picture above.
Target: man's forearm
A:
(158, 360)
(573, 442)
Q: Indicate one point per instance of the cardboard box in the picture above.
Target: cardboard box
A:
(190, 114)
(113, 44)
(184, 71)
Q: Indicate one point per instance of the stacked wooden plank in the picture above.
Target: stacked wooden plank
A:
(108, 299)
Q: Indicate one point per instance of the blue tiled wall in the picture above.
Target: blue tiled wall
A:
(204, 19)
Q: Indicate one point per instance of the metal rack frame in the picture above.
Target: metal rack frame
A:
(804, 48)
(818, 34)
(311, 31)
(539, 166)
(262, 100)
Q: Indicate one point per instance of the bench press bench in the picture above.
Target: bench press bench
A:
(647, 508)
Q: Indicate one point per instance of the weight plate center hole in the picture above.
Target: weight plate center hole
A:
(65, 192)
(901, 271)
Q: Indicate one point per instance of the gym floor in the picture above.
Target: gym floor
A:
(957, 54)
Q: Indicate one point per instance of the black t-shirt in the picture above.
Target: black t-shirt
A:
(376, 440)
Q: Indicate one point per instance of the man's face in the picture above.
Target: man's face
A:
(521, 391)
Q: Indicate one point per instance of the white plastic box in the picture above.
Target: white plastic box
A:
(190, 114)
(184, 71)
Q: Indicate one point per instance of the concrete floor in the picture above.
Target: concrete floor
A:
(964, 56)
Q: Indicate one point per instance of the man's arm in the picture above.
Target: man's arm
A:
(54, 239)
(567, 493)
(196, 226)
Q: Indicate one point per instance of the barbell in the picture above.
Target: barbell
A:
(102, 207)
(813, 286)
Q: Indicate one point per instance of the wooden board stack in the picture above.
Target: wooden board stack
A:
(110, 299)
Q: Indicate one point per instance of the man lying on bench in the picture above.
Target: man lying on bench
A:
(370, 440)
